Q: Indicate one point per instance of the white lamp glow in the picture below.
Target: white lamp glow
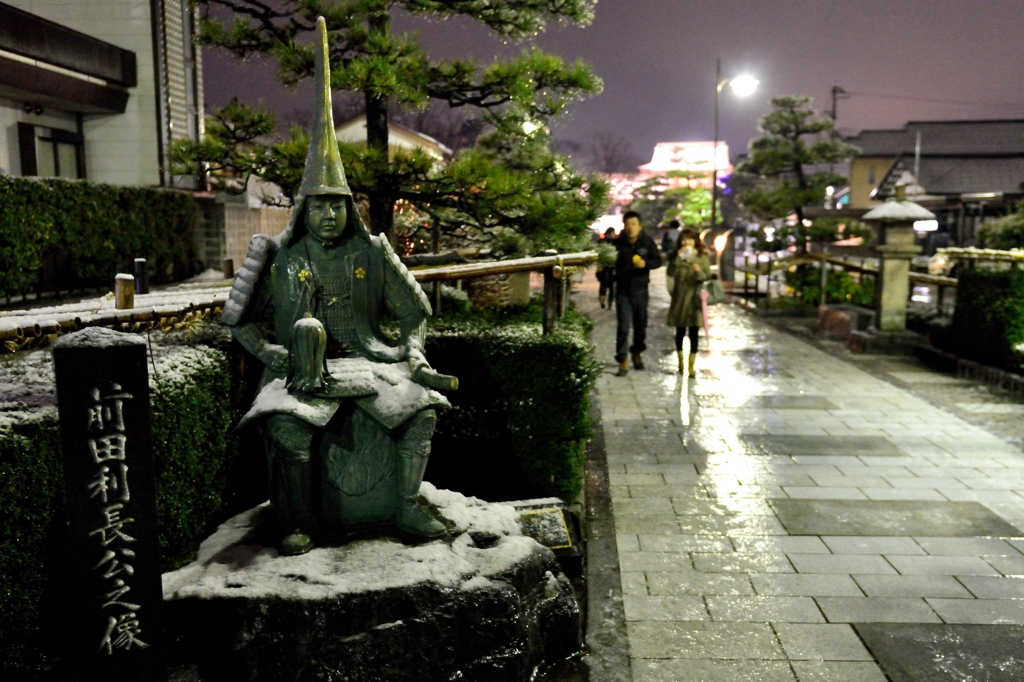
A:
(926, 225)
(743, 86)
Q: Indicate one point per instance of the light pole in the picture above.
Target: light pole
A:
(742, 86)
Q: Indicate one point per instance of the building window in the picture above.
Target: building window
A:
(50, 152)
(871, 175)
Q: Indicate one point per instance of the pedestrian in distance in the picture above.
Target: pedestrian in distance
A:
(690, 268)
(637, 256)
(606, 275)
(670, 240)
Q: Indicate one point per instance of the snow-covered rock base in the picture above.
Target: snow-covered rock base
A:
(488, 603)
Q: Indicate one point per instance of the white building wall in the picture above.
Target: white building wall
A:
(122, 149)
(11, 114)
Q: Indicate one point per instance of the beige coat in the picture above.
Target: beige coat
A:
(685, 309)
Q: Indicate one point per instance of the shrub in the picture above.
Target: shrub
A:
(89, 232)
(840, 287)
(988, 323)
(519, 421)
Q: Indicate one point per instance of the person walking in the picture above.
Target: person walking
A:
(690, 268)
(637, 256)
(606, 275)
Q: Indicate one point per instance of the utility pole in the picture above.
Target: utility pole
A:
(837, 94)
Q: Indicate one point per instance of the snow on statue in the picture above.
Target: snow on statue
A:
(347, 415)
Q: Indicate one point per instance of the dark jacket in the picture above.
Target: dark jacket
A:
(630, 278)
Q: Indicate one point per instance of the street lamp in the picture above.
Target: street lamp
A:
(742, 86)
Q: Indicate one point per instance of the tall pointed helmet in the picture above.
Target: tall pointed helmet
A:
(324, 173)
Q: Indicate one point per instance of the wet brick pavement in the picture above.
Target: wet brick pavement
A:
(786, 499)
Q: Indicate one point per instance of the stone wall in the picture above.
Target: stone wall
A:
(227, 228)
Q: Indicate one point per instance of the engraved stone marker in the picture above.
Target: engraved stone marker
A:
(116, 614)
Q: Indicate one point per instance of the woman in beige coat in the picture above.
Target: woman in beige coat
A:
(690, 268)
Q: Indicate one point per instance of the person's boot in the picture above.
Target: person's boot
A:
(638, 362)
(682, 361)
(693, 360)
(296, 516)
(623, 369)
(413, 453)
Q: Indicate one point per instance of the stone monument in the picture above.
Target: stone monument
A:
(347, 414)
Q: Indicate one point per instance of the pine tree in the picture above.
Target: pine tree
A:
(510, 181)
(790, 156)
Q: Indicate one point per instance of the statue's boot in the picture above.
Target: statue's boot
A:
(413, 453)
(289, 441)
(297, 512)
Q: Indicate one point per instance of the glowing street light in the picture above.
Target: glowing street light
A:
(742, 86)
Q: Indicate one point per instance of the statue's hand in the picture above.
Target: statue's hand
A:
(417, 363)
(274, 357)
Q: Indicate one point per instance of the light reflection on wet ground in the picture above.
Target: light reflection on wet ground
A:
(718, 586)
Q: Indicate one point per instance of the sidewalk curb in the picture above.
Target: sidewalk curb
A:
(607, 638)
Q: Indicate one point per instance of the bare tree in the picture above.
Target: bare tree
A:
(612, 153)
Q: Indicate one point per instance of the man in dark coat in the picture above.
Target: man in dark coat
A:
(638, 255)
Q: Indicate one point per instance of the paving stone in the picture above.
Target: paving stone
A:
(627, 542)
(669, 491)
(980, 611)
(876, 610)
(698, 583)
(711, 670)
(738, 524)
(838, 671)
(895, 518)
(1007, 565)
(805, 584)
(845, 544)
(841, 563)
(941, 565)
(961, 546)
(791, 402)
(644, 607)
(684, 543)
(933, 653)
(992, 588)
(815, 493)
(742, 563)
(806, 642)
(633, 582)
(822, 445)
(646, 506)
(655, 561)
(703, 639)
(639, 523)
(780, 545)
(764, 609)
(903, 494)
(911, 586)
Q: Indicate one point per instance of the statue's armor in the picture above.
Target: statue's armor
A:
(333, 304)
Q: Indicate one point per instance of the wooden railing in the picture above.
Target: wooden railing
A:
(186, 302)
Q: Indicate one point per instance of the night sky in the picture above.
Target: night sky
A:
(900, 60)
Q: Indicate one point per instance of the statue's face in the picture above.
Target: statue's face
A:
(327, 216)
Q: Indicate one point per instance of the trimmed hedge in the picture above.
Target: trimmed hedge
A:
(193, 439)
(89, 232)
(519, 422)
(988, 323)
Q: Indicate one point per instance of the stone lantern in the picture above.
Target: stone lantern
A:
(895, 220)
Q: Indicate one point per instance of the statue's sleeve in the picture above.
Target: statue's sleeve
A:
(405, 299)
(249, 297)
(246, 280)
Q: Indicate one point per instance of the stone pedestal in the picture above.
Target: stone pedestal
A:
(897, 252)
(488, 603)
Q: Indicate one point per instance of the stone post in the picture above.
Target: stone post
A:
(895, 221)
(115, 603)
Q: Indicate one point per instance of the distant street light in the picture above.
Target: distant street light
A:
(742, 86)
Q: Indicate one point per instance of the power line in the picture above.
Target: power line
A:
(1005, 105)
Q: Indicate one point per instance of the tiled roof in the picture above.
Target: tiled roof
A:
(988, 138)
